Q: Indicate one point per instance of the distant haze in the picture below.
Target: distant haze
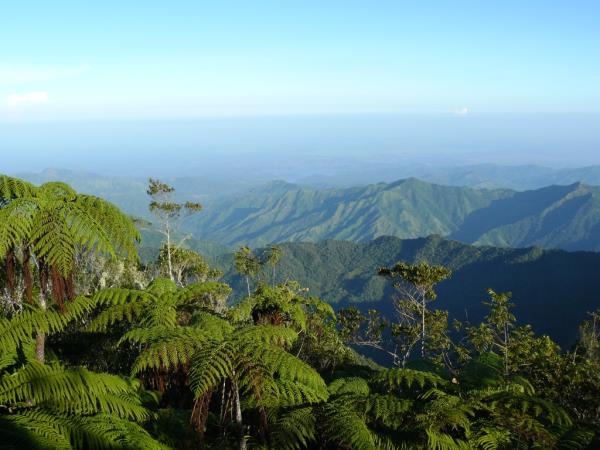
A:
(297, 147)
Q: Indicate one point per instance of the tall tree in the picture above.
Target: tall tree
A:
(414, 284)
(494, 333)
(247, 264)
(169, 213)
(271, 258)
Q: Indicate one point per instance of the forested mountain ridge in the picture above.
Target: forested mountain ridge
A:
(557, 216)
(564, 285)
(285, 212)
(565, 217)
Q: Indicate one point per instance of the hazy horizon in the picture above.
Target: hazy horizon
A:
(308, 145)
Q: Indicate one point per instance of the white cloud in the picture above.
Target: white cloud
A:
(27, 98)
(461, 111)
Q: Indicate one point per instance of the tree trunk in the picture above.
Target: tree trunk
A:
(40, 338)
(423, 328)
(248, 284)
(238, 416)
(10, 273)
(169, 259)
(506, 350)
(200, 415)
(27, 277)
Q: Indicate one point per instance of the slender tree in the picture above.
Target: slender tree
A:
(271, 258)
(415, 284)
(494, 333)
(169, 213)
(247, 264)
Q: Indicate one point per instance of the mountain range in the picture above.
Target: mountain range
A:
(249, 212)
(566, 217)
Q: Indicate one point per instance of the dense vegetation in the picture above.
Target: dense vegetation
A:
(562, 285)
(100, 351)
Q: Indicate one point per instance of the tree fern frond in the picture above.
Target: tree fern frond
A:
(294, 429)
(199, 293)
(488, 438)
(349, 385)
(281, 393)
(398, 378)
(108, 432)
(33, 429)
(437, 440)
(128, 312)
(20, 328)
(267, 334)
(169, 350)
(212, 363)
(389, 410)
(576, 438)
(122, 296)
(212, 325)
(73, 391)
(344, 428)
(287, 367)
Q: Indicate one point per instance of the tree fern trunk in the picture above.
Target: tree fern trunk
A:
(9, 259)
(238, 417)
(40, 338)
(27, 277)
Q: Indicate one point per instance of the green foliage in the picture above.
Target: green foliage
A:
(55, 222)
(253, 375)
(345, 274)
(47, 406)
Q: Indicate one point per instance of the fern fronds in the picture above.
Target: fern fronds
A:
(20, 328)
(349, 385)
(168, 350)
(294, 429)
(343, 427)
(407, 378)
(210, 364)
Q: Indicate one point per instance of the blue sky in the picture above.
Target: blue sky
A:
(77, 60)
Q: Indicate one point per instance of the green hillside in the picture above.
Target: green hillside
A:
(565, 217)
(285, 212)
(553, 289)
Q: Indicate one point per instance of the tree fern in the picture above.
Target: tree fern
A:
(47, 406)
(294, 428)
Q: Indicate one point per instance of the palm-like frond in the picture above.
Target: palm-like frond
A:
(20, 328)
(343, 427)
(47, 406)
(294, 429)
(407, 378)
